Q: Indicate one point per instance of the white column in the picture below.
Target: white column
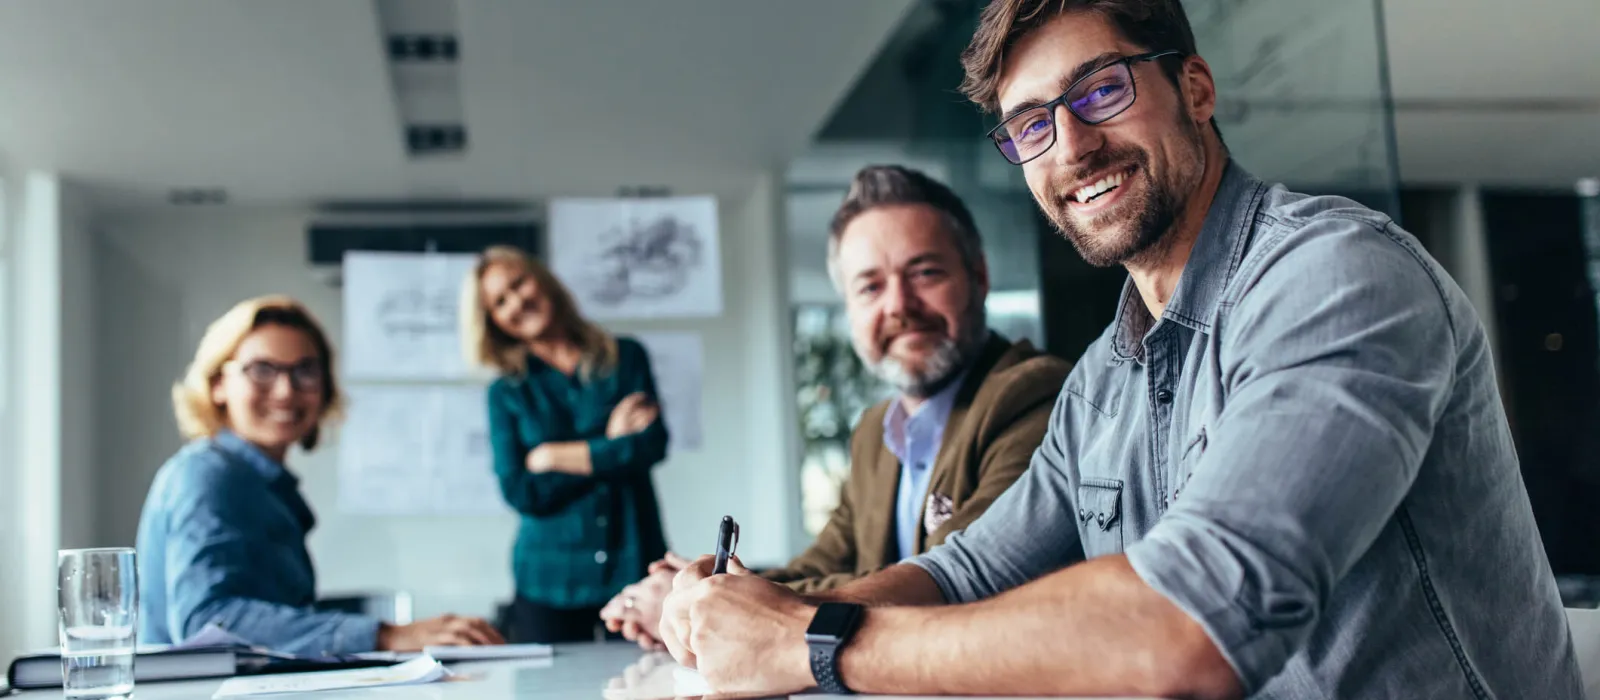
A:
(35, 372)
(10, 536)
(769, 354)
(1469, 247)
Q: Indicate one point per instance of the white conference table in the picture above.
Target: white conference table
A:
(614, 671)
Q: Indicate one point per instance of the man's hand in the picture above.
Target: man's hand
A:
(671, 563)
(634, 413)
(745, 634)
(636, 611)
(445, 630)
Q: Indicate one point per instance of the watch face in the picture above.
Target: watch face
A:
(832, 621)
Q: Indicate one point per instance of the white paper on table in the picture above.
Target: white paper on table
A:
(487, 652)
(638, 257)
(677, 359)
(406, 450)
(423, 669)
(401, 315)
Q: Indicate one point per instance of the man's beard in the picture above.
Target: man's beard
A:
(1155, 209)
(943, 363)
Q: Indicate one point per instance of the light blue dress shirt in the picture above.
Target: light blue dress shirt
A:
(914, 439)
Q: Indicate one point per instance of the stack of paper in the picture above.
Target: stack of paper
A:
(423, 669)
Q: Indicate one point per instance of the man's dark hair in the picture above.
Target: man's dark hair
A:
(1155, 25)
(890, 185)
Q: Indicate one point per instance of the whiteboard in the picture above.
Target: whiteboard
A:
(400, 315)
(417, 450)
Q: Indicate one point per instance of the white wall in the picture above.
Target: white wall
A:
(164, 274)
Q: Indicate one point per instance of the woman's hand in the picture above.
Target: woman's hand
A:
(445, 630)
(636, 611)
(633, 414)
(567, 457)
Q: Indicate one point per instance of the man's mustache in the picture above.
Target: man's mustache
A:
(901, 325)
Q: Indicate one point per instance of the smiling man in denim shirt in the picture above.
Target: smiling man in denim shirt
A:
(1284, 471)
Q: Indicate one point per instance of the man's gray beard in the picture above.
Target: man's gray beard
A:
(946, 360)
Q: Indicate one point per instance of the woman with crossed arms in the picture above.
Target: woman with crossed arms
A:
(575, 430)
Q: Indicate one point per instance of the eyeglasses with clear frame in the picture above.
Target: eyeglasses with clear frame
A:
(1108, 91)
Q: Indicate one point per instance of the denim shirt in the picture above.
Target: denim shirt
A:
(1306, 453)
(222, 539)
(914, 439)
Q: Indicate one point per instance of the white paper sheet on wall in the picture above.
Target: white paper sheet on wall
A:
(410, 450)
(677, 359)
(400, 314)
(638, 257)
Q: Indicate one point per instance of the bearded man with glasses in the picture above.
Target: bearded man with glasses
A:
(1283, 471)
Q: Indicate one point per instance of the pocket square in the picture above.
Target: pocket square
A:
(939, 511)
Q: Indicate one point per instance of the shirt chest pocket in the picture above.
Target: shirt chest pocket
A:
(1100, 516)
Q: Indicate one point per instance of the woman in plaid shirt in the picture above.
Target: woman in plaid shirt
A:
(575, 430)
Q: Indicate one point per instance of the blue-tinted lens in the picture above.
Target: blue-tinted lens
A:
(1026, 135)
(1102, 95)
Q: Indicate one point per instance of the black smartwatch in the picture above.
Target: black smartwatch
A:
(830, 628)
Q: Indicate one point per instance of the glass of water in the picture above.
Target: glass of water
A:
(98, 591)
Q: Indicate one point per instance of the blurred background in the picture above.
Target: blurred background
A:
(161, 160)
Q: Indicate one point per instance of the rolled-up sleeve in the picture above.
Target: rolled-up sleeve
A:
(1025, 534)
(1336, 364)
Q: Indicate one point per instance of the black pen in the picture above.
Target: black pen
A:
(727, 541)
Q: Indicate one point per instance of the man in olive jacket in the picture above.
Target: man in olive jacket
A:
(971, 407)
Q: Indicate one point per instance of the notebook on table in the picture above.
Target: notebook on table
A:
(212, 653)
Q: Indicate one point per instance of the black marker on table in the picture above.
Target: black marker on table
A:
(727, 542)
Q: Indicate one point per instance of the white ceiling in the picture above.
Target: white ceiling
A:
(290, 100)
(1496, 91)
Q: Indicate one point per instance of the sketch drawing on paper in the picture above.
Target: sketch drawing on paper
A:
(645, 259)
(400, 315)
(417, 312)
(638, 258)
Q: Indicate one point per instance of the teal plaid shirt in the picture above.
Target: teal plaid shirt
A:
(582, 538)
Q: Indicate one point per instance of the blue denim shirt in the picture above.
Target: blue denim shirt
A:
(1307, 453)
(222, 539)
(914, 439)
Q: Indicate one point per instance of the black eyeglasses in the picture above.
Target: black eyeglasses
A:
(305, 375)
(1093, 99)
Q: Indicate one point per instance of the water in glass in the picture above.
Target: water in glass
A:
(99, 603)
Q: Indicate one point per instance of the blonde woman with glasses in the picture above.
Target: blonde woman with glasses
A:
(222, 536)
(575, 432)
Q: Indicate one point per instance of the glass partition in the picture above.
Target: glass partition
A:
(1303, 100)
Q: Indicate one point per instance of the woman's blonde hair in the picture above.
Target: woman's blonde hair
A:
(485, 345)
(197, 415)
